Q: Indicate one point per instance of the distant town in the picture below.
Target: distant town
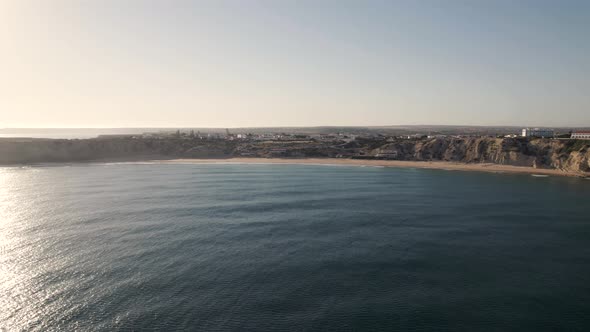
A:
(346, 136)
(341, 143)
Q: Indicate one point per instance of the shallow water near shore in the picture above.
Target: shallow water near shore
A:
(235, 247)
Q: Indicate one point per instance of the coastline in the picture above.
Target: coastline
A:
(442, 165)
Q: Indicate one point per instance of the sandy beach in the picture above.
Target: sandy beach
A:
(445, 165)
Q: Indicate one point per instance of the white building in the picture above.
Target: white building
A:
(537, 132)
(581, 135)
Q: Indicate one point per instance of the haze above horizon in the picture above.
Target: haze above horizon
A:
(114, 64)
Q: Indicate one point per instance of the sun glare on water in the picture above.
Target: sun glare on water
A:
(21, 301)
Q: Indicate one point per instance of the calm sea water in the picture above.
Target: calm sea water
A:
(291, 247)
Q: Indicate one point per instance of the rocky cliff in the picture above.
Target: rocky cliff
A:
(14, 151)
(567, 155)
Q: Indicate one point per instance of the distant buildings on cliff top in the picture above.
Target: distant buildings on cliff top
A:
(549, 133)
(538, 132)
(350, 137)
(581, 135)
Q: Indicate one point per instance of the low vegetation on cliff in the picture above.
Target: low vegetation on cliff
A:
(567, 155)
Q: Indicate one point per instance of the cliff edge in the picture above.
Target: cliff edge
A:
(566, 155)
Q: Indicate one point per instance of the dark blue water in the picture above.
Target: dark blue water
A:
(291, 247)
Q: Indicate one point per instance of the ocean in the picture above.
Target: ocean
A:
(243, 247)
(71, 133)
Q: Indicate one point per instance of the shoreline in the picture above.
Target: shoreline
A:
(442, 165)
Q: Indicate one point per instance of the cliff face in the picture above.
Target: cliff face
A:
(573, 156)
(40, 151)
(567, 155)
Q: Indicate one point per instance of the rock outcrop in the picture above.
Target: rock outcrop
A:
(41, 151)
(566, 155)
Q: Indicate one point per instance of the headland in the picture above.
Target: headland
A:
(508, 153)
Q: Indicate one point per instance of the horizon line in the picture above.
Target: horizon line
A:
(316, 126)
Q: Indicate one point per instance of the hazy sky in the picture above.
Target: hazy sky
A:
(168, 63)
